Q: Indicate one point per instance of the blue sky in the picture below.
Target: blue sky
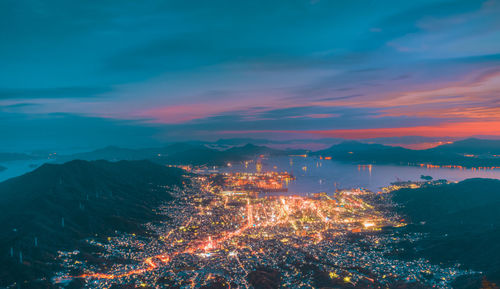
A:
(92, 73)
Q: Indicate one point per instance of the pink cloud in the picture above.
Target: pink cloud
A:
(461, 129)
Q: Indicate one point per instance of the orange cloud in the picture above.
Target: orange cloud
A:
(459, 130)
(474, 97)
(462, 129)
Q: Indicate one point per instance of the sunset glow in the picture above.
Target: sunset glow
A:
(209, 71)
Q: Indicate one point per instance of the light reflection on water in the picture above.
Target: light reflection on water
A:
(314, 175)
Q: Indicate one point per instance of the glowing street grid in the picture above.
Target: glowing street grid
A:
(222, 227)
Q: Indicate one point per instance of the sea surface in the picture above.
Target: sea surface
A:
(17, 168)
(314, 175)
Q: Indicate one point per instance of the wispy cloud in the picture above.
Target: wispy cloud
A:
(206, 68)
(53, 92)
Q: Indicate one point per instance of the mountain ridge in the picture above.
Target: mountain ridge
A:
(447, 155)
(470, 152)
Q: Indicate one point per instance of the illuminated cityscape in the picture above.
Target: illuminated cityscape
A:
(225, 225)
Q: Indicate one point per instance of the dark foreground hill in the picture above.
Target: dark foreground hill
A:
(57, 206)
(462, 221)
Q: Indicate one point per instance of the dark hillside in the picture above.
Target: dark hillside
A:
(462, 221)
(60, 205)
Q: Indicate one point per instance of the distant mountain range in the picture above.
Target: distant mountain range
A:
(180, 153)
(467, 153)
(315, 144)
(462, 221)
(57, 206)
(114, 153)
(481, 147)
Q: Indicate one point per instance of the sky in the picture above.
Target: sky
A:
(138, 73)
